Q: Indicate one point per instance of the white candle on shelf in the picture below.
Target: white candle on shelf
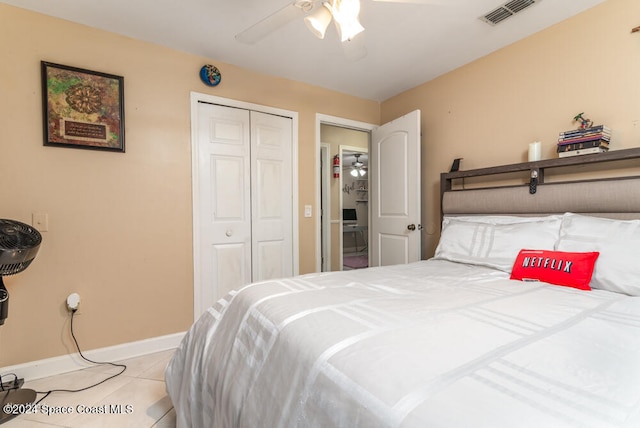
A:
(535, 151)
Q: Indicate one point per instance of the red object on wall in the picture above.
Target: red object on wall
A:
(336, 166)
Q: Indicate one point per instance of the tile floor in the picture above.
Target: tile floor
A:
(141, 387)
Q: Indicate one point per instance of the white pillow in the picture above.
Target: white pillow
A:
(501, 219)
(495, 241)
(618, 241)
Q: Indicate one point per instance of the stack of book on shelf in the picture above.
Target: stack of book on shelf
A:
(595, 139)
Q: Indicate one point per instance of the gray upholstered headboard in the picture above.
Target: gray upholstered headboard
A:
(609, 197)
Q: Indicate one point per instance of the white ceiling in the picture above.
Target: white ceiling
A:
(407, 44)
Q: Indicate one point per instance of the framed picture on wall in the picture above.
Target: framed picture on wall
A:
(82, 108)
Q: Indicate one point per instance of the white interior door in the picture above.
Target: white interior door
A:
(395, 191)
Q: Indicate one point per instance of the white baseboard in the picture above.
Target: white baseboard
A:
(70, 362)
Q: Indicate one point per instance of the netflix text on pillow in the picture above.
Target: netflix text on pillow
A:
(568, 269)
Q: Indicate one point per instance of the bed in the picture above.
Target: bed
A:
(484, 334)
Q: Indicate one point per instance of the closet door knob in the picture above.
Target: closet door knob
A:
(411, 227)
(229, 232)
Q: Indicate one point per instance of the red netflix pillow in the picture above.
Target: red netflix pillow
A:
(555, 267)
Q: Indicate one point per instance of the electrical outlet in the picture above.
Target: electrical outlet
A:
(73, 301)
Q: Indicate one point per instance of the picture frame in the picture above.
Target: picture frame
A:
(82, 108)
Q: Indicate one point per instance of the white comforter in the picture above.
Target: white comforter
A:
(430, 344)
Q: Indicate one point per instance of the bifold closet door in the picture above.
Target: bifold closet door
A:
(245, 206)
(271, 196)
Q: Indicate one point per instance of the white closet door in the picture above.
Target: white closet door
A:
(243, 215)
(225, 200)
(272, 191)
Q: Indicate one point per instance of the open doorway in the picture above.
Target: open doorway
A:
(394, 224)
(339, 191)
(355, 207)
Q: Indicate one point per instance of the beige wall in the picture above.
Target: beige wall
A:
(488, 112)
(120, 224)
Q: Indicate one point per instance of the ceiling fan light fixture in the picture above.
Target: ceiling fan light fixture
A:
(319, 20)
(345, 13)
(358, 172)
(348, 30)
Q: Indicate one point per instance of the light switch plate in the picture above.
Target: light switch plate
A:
(307, 210)
(40, 221)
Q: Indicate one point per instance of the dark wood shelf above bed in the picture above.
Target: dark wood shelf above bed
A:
(607, 189)
(540, 166)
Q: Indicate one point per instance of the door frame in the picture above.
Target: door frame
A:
(343, 123)
(324, 207)
(197, 97)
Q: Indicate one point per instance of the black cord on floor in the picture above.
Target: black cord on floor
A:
(122, 366)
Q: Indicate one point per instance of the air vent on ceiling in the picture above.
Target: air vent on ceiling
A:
(507, 10)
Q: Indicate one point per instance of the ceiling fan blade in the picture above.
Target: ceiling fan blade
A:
(269, 24)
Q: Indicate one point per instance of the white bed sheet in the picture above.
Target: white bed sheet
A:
(429, 344)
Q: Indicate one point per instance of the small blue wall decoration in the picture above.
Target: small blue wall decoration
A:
(210, 75)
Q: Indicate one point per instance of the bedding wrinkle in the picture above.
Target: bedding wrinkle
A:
(545, 398)
(517, 371)
(509, 324)
(318, 367)
(629, 320)
(413, 399)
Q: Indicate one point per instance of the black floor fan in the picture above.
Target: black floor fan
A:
(19, 244)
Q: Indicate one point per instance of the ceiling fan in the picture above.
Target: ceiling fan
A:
(317, 14)
(359, 169)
